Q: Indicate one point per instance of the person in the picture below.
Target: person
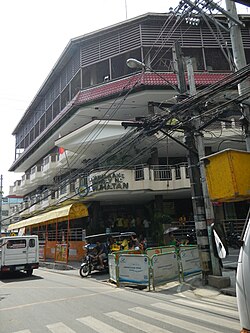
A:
(171, 240)
(143, 243)
(182, 219)
(101, 253)
(146, 225)
(114, 246)
(134, 244)
(124, 244)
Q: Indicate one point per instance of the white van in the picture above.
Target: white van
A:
(19, 253)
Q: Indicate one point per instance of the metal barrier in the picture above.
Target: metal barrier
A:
(189, 261)
(156, 267)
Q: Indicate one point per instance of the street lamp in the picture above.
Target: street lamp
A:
(134, 63)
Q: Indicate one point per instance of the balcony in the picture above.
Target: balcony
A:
(50, 167)
(25, 182)
(67, 158)
(36, 175)
(17, 187)
(143, 180)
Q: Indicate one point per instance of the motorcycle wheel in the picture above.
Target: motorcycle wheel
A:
(85, 270)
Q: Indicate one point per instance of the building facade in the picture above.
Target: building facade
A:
(72, 146)
(10, 205)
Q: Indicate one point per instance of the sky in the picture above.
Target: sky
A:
(34, 34)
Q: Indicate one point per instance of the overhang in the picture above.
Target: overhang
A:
(73, 211)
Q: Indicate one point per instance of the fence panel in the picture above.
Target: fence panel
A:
(165, 268)
(134, 269)
(190, 261)
(112, 267)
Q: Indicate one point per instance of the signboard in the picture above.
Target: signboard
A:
(190, 261)
(134, 269)
(165, 268)
(41, 252)
(61, 252)
(112, 268)
(113, 181)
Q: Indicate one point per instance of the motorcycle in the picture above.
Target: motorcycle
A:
(234, 240)
(233, 237)
(90, 263)
(191, 237)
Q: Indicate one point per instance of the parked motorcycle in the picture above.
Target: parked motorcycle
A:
(233, 237)
(90, 263)
(191, 237)
(234, 240)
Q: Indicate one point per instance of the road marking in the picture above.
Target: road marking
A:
(207, 307)
(183, 324)
(23, 331)
(138, 324)
(60, 299)
(59, 328)
(98, 325)
(198, 314)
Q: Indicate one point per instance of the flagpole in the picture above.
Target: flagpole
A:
(126, 9)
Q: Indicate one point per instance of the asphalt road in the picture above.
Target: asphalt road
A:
(59, 302)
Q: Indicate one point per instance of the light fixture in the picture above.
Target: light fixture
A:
(135, 63)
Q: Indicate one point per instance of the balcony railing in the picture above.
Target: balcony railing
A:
(36, 174)
(50, 165)
(137, 178)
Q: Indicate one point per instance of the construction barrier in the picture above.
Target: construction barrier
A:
(158, 250)
(189, 261)
(165, 268)
(157, 267)
(133, 269)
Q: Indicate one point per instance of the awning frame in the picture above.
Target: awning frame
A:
(69, 212)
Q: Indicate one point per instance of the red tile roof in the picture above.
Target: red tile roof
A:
(143, 79)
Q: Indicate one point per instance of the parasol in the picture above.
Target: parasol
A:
(171, 229)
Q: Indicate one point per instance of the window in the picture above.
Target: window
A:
(32, 242)
(5, 213)
(16, 243)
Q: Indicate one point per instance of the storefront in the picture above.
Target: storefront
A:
(61, 232)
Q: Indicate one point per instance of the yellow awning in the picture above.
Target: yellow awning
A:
(72, 211)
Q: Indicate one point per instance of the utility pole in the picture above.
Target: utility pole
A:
(240, 62)
(203, 212)
(209, 211)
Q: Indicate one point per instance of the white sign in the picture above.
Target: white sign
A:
(165, 268)
(112, 268)
(190, 261)
(134, 269)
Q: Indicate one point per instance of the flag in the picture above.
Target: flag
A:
(60, 149)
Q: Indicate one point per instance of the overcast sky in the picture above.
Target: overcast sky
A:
(34, 33)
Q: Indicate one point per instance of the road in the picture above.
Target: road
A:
(64, 303)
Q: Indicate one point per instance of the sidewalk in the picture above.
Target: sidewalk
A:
(194, 282)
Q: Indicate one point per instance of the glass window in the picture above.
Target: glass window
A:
(32, 242)
(16, 243)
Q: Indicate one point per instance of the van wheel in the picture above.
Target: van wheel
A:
(29, 271)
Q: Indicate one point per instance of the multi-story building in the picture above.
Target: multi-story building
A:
(81, 168)
(9, 210)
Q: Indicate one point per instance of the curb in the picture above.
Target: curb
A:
(196, 285)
